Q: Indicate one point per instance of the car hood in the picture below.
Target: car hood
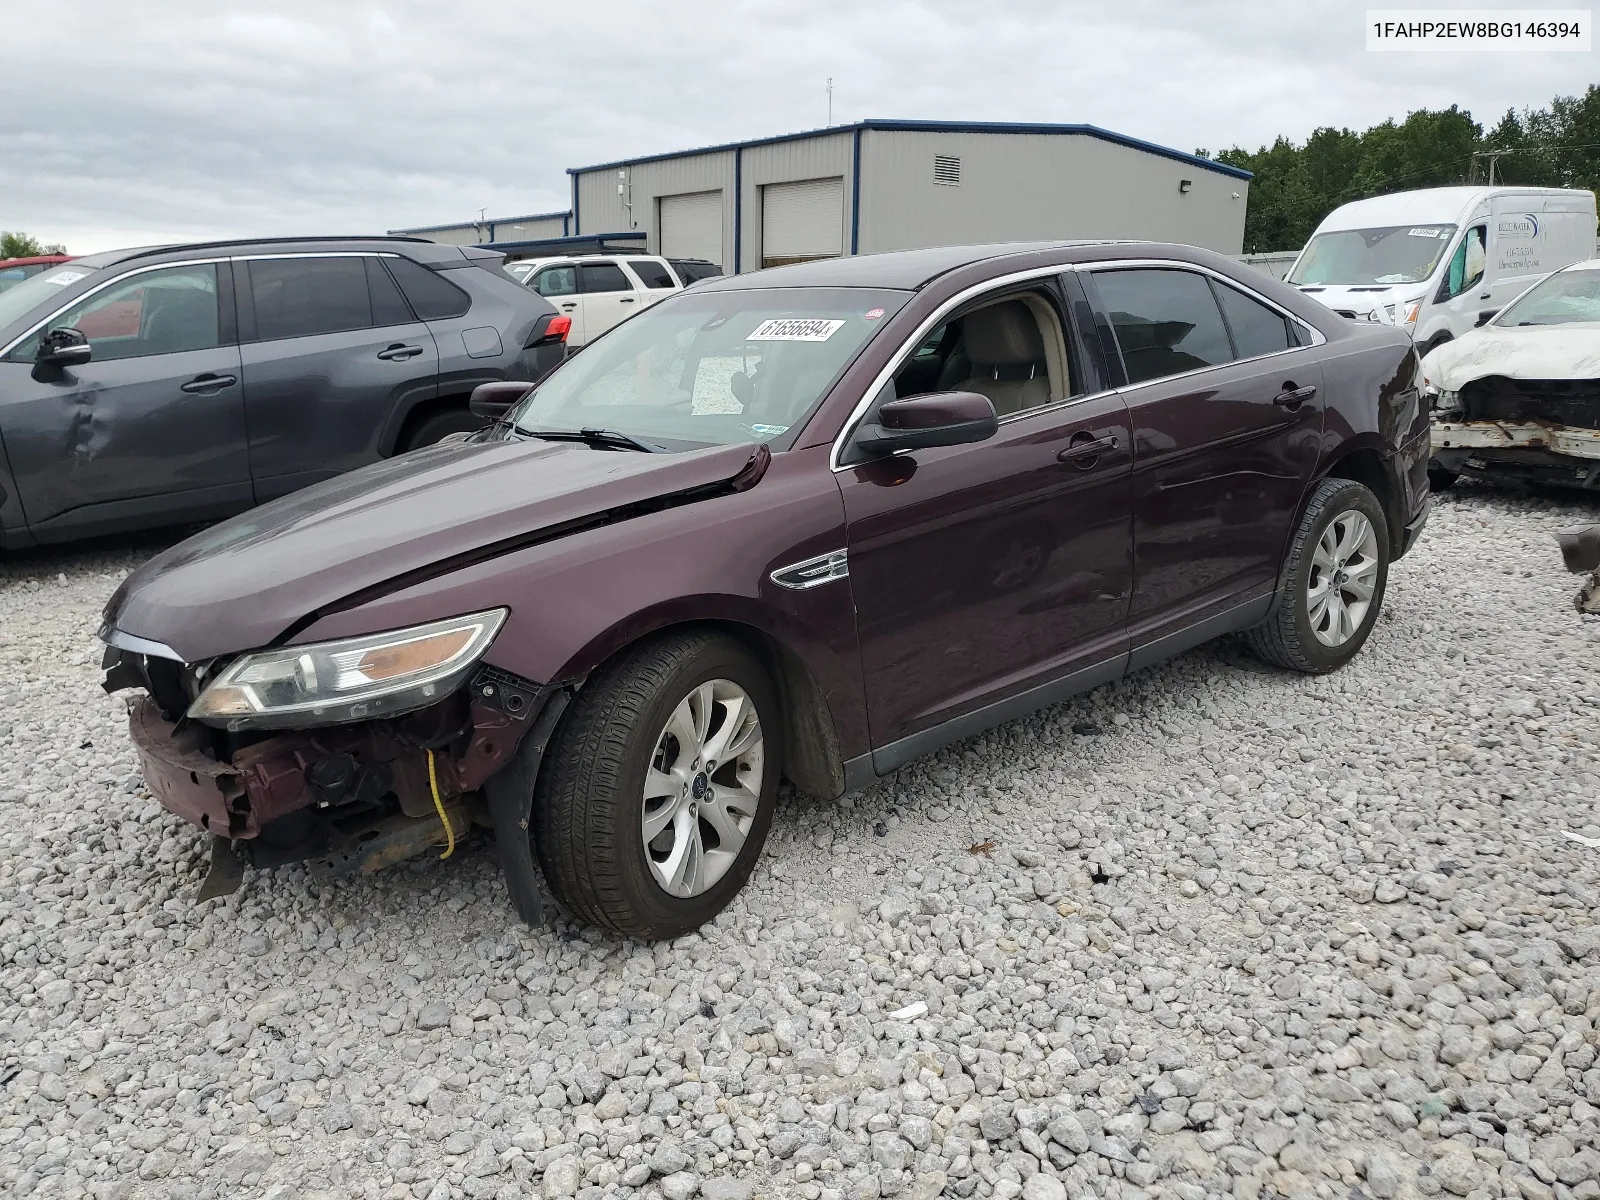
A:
(1374, 301)
(241, 584)
(1517, 352)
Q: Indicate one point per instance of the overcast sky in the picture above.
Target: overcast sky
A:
(123, 123)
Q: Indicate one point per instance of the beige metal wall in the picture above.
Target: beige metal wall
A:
(528, 231)
(1021, 186)
(452, 235)
(822, 157)
(601, 210)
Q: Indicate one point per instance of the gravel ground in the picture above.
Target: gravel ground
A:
(1214, 930)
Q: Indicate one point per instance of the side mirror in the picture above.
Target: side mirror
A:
(64, 348)
(921, 422)
(1487, 315)
(491, 400)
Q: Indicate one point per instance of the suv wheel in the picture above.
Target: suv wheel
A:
(436, 428)
(660, 787)
(1332, 582)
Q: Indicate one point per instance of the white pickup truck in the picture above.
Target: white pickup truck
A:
(600, 290)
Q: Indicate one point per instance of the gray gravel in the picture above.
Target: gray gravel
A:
(1215, 930)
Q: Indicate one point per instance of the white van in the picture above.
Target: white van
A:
(1436, 261)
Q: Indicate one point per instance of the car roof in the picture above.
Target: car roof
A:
(897, 269)
(423, 251)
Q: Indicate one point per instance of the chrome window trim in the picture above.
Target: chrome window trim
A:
(318, 254)
(98, 288)
(943, 311)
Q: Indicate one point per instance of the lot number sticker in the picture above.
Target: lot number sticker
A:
(795, 329)
(62, 278)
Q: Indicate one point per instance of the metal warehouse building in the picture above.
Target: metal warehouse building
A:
(889, 185)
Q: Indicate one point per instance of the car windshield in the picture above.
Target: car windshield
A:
(712, 368)
(520, 270)
(18, 301)
(1372, 257)
(1566, 298)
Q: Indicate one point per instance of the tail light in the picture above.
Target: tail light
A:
(550, 330)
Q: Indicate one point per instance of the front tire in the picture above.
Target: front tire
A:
(660, 787)
(1332, 583)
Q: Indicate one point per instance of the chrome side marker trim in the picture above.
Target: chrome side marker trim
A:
(814, 572)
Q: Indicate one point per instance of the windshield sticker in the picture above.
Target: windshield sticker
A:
(767, 431)
(872, 314)
(1432, 231)
(62, 278)
(795, 329)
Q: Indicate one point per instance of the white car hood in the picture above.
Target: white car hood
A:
(1375, 303)
(1517, 352)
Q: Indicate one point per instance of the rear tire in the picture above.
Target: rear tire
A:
(1331, 587)
(436, 428)
(591, 811)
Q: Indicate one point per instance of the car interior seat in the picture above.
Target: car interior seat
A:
(179, 319)
(1006, 357)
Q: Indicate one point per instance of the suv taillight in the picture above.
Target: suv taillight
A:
(550, 330)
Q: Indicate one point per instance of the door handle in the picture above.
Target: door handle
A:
(1292, 397)
(626, 300)
(569, 305)
(1084, 453)
(208, 383)
(399, 353)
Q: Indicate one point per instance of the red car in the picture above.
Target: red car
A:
(815, 521)
(14, 270)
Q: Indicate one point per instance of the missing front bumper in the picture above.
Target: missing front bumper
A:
(1527, 452)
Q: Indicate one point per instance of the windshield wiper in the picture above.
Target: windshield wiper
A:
(593, 437)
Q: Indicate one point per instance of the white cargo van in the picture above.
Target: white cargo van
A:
(1435, 261)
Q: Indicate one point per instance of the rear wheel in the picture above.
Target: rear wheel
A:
(434, 429)
(660, 787)
(1332, 583)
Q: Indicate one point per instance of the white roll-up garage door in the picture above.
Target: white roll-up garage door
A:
(691, 226)
(801, 221)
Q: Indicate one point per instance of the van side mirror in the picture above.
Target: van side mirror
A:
(1487, 315)
(64, 348)
(922, 422)
(491, 401)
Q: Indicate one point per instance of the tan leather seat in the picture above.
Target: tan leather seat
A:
(1002, 343)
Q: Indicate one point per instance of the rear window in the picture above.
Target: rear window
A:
(651, 273)
(432, 297)
(300, 297)
(602, 277)
(689, 271)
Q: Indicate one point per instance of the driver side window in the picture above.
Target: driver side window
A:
(1467, 264)
(1010, 349)
(556, 281)
(156, 312)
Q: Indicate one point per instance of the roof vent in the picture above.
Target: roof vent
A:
(946, 169)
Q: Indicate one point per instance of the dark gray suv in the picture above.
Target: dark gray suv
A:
(149, 387)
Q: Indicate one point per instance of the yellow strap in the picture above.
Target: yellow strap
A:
(438, 804)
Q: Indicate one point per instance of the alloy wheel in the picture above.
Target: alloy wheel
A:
(702, 788)
(1343, 578)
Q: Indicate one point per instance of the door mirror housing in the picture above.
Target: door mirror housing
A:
(1488, 315)
(491, 401)
(922, 422)
(64, 348)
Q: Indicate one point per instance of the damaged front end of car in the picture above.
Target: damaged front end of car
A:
(350, 755)
(1519, 431)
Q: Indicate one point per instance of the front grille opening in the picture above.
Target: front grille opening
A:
(1572, 402)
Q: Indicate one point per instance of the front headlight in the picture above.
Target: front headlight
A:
(354, 679)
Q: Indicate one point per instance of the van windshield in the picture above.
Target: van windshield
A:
(1372, 257)
(708, 368)
(1566, 298)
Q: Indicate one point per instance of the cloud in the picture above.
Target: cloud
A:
(174, 119)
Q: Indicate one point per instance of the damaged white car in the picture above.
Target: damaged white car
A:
(1518, 400)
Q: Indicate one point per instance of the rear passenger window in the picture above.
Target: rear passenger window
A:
(1256, 328)
(432, 297)
(388, 305)
(602, 277)
(1166, 321)
(298, 297)
(652, 274)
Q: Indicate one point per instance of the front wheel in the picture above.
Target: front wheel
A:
(660, 787)
(1332, 584)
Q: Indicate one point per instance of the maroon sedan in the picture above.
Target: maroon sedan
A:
(811, 522)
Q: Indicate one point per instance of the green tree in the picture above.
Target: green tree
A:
(23, 245)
